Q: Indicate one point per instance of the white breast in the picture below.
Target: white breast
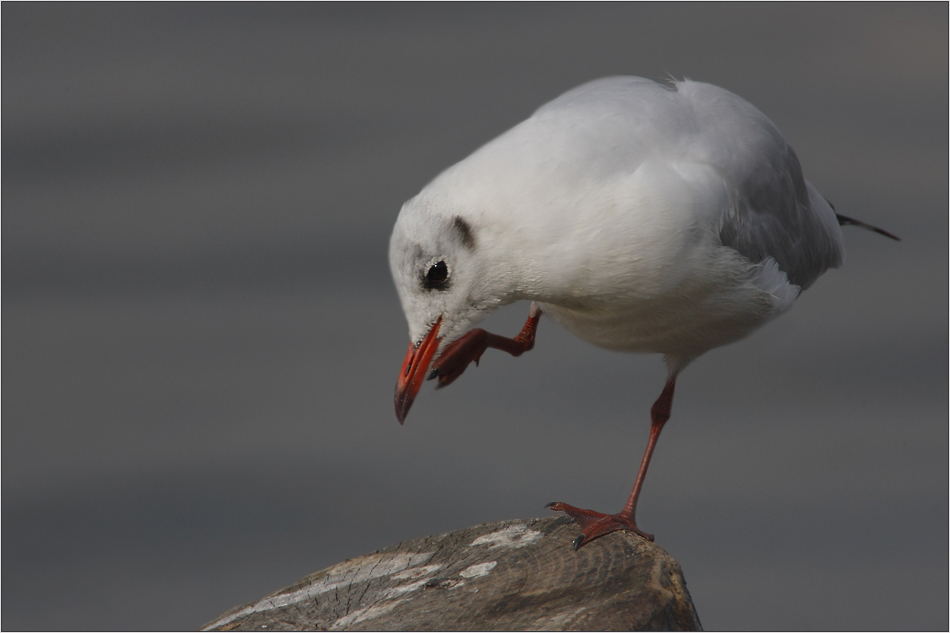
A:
(648, 218)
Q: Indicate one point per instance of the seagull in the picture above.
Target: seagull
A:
(666, 218)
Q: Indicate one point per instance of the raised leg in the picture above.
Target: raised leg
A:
(596, 524)
(452, 362)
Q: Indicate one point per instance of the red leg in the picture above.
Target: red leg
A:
(456, 357)
(596, 524)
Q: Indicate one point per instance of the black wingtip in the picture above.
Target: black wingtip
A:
(885, 233)
(844, 220)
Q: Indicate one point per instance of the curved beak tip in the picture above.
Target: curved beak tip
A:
(414, 370)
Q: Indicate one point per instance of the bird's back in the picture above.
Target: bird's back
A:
(774, 212)
(657, 200)
(578, 152)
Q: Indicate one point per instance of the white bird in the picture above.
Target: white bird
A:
(643, 217)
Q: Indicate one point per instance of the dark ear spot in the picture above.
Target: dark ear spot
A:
(465, 232)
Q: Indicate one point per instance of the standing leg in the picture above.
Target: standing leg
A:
(596, 524)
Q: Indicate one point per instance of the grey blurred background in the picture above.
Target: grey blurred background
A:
(203, 337)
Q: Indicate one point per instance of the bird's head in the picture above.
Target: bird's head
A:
(445, 282)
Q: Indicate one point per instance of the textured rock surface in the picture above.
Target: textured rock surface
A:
(512, 575)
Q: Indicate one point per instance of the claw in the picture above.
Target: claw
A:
(596, 524)
(456, 356)
(468, 349)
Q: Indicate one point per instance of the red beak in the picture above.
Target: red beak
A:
(414, 370)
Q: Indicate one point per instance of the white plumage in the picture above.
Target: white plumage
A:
(644, 217)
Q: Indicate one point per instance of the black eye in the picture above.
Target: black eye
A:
(437, 277)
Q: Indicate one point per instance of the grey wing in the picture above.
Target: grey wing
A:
(773, 212)
(777, 214)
